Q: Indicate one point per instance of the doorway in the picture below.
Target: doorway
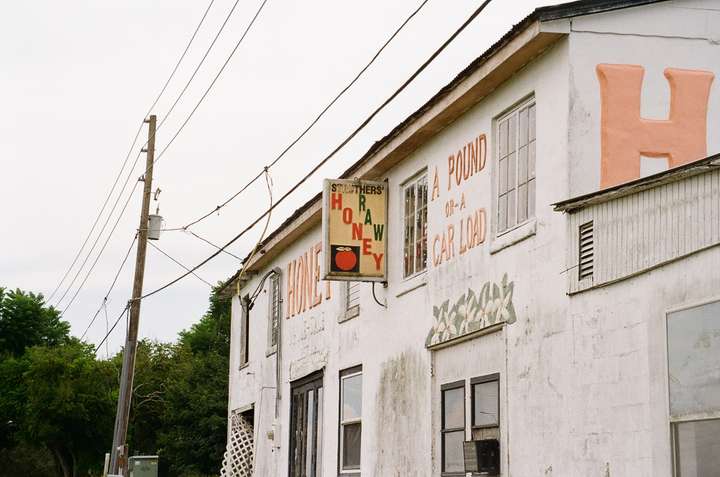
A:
(306, 423)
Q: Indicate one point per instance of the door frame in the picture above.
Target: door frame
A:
(313, 381)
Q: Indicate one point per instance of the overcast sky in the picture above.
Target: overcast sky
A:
(77, 78)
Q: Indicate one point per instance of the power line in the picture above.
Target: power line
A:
(117, 320)
(127, 157)
(212, 244)
(312, 123)
(177, 132)
(199, 65)
(329, 156)
(212, 83)
(102, 249)
(178, 263)
(112, 285)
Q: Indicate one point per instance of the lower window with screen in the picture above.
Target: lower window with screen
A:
(476, 451)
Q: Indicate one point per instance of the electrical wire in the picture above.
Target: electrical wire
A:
(127, 157)
(311, 124)
(211, 244)
(199, 65)
(112, 285)
(212, 83)
(329, 156)
(177, 133)
(102, 249)
(125, 310)
(179, 263)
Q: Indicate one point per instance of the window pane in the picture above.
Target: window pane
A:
(503, 177)
(523, 131)
(511, 208)
(531, 160)
(351, 446)
(523, 165)
(502, 143)
(531, 198)
(502, 213)
(512, 133)
(485, 405)
(511, 174)
(352, 397)
(454, 408)
(453, 451)
(694, 360)
(698, 448)
(531, 122)
(522, 203)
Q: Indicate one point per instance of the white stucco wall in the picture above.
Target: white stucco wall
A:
(583, 377)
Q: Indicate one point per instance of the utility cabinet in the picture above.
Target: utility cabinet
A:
(143, 466)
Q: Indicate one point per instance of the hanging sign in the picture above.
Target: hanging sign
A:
(354, 227)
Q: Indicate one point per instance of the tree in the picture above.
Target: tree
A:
(195, 421)
(69, 403)
(25, 321)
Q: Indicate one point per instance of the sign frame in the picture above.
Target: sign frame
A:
(325, 271)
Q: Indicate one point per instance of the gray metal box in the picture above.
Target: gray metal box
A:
(143, 466)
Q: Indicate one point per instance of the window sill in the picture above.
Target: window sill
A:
(271, 351)
(346, 315)
(243, 366)
(513, 236)
(412, 283)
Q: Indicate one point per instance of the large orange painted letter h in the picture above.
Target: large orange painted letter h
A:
(625, 136)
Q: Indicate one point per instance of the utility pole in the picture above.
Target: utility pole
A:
(128, 369)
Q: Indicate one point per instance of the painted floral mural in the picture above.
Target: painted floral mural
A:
(473, 312)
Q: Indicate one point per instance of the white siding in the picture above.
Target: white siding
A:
(646, 229)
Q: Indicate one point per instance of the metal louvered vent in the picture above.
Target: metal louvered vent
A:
(586, 250)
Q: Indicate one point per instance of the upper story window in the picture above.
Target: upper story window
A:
(351, 300)
(245, 305)
(516, 167)
(350, 420)
(693, 341)
(274, 310)
(415, 225)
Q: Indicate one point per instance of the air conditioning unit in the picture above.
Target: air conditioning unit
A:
(482, 456)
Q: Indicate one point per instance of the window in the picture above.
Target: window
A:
(516, 167)
(453, 428)
(693, 363)
(415, 225)
(351, 300)
(350, 420)
(274, 311)
(485, 402)
(245, 306)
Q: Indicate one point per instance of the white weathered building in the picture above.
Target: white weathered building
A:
(553, 271)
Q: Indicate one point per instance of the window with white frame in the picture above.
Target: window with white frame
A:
(274, 310)
(415, 225)
(516, 167)
(351, 300)
(350, 420)
(693, 340)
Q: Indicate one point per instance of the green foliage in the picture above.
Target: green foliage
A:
(25, 321)
(58, 401)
